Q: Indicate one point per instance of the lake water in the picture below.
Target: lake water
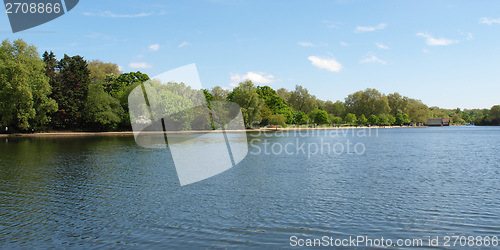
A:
(400, 183)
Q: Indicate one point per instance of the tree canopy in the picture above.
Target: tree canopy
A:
(45, 93)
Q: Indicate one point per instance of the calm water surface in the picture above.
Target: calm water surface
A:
(96, 192)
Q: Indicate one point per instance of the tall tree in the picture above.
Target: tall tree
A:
(398, 104)
(336, 109)
(418, 112)
(275, 102)
(247, 97)
(24, 87)
(219, 93)
(101, 72)
(301, 100)
(71, 91)
(367, 102)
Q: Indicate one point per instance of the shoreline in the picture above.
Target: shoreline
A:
(131, 133)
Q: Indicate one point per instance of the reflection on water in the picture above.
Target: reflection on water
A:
(109, 192)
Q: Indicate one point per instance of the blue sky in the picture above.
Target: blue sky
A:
(445, 53)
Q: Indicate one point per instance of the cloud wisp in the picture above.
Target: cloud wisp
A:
(432, 41)
(255, 77)
(140, 65)
(183, 44)
(154, 47)
(114, 15)
(306, 44)
(362, 29)
(326, 63)
(372, 59)
(489, 21)
(381, 46)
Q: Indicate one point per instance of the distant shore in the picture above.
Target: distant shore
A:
(131, 133)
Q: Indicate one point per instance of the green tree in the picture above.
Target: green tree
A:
(334, 119)
(301, 100)
(383, 119)
(219, 93)
(321, 117)
(208, 96)
(373, 120)
(418, 112)
(278, 119)
(283, 93)
(457, 119)
(367, 102)
(362, 120)
(70, 90)
(466, 117)
(247, 97)
(350, 118)
(101, 72)
(336, 109)
(391, 119)
(402, 119)
(122, 85)
(24, 87)
(102, 112)
(398, 104)
(300, 117)
(275, 102)
(265, 113)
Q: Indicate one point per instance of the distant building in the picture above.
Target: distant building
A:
(438, 122)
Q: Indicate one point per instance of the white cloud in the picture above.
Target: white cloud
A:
(372, 59)
(382, 46)
(140, 65)
(306, 44)
(468, 35)
(120, 68)
(183, 44)
(255, 77)
(432, 41)
(113, 15)
(154, 47)
(324, 63)
(344, 44)
(360, 29)
(330, 24)
(489, 21)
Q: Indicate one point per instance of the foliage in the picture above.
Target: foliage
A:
(367, 102)
(73, 93)
(102, 111)
(70, 90)
(24, 87)
(101, 72)
(247, 97)
(275, 103)
(300, 117)
(278, 119)
(301, 100)
(219, 93)
(350, 118)
(321, 117)
(334, 119)
(362, 120)
(373, 120)
(402, 119)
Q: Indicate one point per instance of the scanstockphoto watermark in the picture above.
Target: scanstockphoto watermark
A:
(311, 142)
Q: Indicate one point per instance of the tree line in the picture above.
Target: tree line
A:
(42, 93)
